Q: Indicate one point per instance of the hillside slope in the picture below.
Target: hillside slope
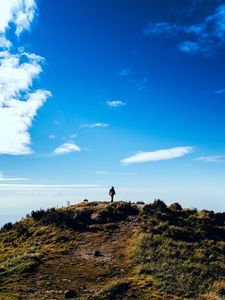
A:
(101, 250)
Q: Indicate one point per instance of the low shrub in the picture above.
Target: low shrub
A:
(7, 227)
(37, 215)
(182, 249)
(21, 230)
(25, 263)
(64, 219)
(116, 212)
(157, 205)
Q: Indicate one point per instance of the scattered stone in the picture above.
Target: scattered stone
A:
(148, 284)
(70, 294)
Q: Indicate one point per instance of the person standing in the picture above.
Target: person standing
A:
(112, 193)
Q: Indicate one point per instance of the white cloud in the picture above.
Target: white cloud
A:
(115, 103)
(162, 154)
(19, 12)
(212, 158)
(18, 103)
(67, 148)
(5, 178)
(95, 125)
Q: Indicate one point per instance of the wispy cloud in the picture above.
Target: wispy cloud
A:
(218, 92)
(140, 83)
(71, 136)
(198, 38)
(125, 72)
(18, 103)
(102, 172)
(108, 173)
(162, 28)
(163, 154)
(94, 125)
(67, 148)
(5, 178)
(115, 103)
(56, 122)
(212, 158)
(52, 136)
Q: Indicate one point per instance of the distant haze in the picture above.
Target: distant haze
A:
(22, 200)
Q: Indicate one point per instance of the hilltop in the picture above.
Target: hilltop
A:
(120, 250)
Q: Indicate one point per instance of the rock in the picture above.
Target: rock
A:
(140, 203)
(148, 283)
(221, 292)
(176, 206)
(85, 200)
(97, 253)
(70, 294)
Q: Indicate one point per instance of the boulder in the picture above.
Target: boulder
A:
(70, 294)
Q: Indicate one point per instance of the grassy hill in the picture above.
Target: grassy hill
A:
(101, 250)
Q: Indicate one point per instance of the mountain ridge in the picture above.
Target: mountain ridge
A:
(120, 250)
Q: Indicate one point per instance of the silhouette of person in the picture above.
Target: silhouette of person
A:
(112, 193)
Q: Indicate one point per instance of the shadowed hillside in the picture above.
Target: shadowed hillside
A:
(101, 250)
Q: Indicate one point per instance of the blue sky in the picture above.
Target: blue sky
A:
(101, 93)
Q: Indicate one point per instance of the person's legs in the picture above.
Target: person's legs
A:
(112, 198)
